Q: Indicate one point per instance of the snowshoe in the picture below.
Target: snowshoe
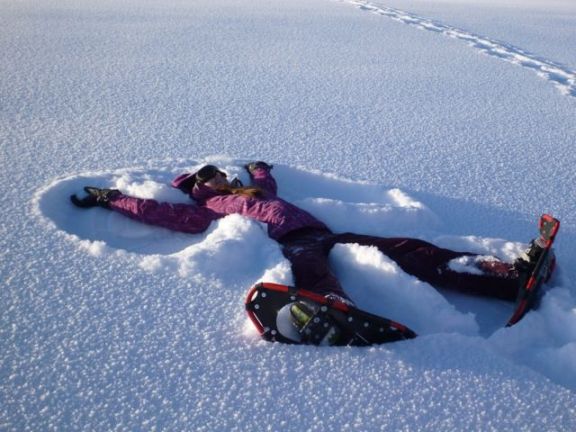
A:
(535, 267)
(295, 316)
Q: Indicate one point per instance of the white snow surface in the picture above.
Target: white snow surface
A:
(447, 120)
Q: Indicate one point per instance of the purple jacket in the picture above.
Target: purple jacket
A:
(280, 216)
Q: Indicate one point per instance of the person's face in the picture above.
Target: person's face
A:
(217, 181)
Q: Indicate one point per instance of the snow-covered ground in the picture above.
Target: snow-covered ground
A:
(448, 120)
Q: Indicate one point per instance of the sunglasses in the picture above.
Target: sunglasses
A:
(207, 173)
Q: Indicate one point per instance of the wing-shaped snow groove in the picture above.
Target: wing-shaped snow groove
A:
(562, 77)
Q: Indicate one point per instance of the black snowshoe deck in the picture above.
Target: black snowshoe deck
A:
(355, 327)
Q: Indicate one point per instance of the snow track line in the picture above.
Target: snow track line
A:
(563, 78)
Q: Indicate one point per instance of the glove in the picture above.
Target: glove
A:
(95, 198)
(255, 165)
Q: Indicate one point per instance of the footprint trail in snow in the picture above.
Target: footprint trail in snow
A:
(562, 77)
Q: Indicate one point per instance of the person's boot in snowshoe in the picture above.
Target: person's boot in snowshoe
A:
(314, 327)
(528, 259)
(301, 314)
(525, 265)
(96, 197)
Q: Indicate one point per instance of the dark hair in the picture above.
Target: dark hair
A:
(207, 173)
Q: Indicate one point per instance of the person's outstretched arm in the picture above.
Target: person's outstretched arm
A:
(261, 177)
(176, 217)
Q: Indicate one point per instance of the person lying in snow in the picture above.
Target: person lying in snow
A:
(305, 240)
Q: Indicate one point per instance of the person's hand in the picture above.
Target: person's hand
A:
(96, 197)
(256, 165)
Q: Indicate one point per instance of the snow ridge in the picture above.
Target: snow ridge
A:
(562, 77)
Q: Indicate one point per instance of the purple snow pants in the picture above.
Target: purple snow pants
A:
(308, 249)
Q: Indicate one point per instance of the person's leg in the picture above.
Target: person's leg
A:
(308, 256)
(431, 264)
